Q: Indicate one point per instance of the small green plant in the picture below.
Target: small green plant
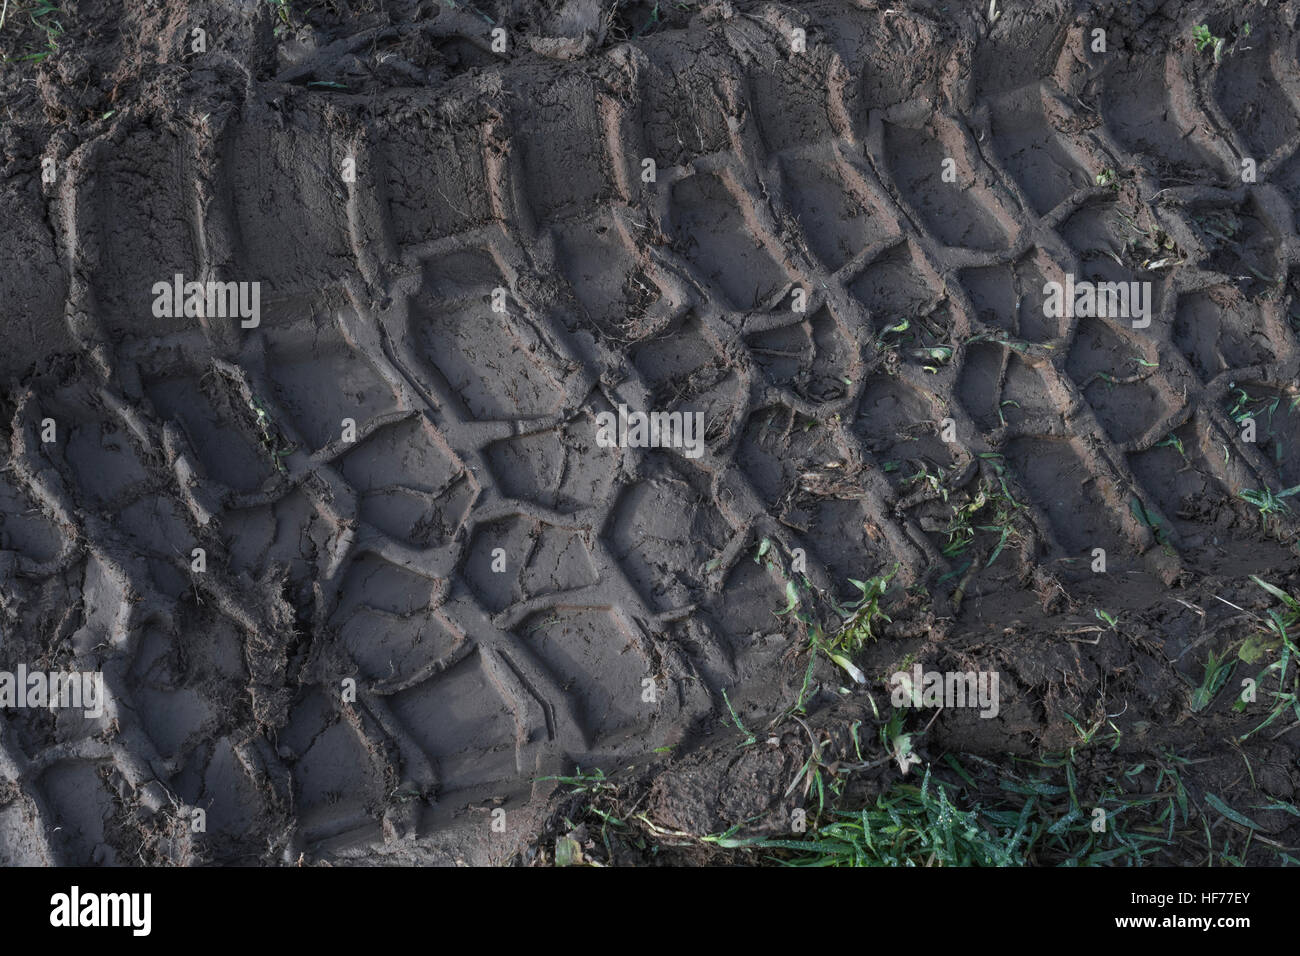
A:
(995, 508)
(923, 476)
(898, 329)
(270, 435)
(1279, 626)
(1268, 502)
(1149, 519)
(1112, 621)
(940, 355)
(1147, 247)
(283, 15)
(860, 617)
(1218, 668)
(580, 782)
(1172, 441)
(1203, 38)
(921, 338)
(1240, 409)
(601, 809)
(898, 744)
(1086, 735)
(1107, 178)
(750, 739)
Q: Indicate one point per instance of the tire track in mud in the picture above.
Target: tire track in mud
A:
(424, 583)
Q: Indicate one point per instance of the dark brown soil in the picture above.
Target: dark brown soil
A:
(515, 179)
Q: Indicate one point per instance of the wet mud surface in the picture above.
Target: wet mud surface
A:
(426, 584)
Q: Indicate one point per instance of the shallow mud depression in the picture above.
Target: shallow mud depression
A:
(620, 432)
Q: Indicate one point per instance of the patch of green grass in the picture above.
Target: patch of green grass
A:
(1218, 668)
(1245, 406)
(580, 782)
(1257, 413)
(1038, 817)
(906, 826)
(1280, 625)
(1240, 408)
(1017, 812)
(1268, 502)
(20, 19)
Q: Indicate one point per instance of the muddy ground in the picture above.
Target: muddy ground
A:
(360, 577)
